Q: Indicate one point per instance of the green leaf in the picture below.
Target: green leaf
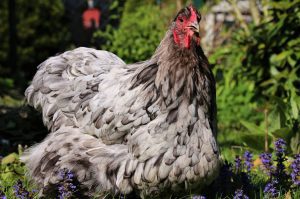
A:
(291, 61)
(295, 143)
(274, 120)
(253, 128)
(295, 110)
(255, 140)
(11, 158)
(284, 133)
(7, 176)
(276, 59)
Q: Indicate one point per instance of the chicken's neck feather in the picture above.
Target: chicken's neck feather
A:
(176, 73)
(181, 71)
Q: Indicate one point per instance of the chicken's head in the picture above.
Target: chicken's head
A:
(186, 27)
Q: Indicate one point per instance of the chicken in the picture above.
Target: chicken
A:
(141, 127)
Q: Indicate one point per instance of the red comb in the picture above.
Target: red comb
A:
(193, 13)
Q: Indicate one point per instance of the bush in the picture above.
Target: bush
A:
(138, 35)
(258, 80)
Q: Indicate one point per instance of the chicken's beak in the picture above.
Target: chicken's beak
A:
(194, 26)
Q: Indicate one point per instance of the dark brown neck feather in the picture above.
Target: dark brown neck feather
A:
(175, 72)
(179, 69)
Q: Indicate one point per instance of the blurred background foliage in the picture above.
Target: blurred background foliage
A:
(258, 84)
(36, 37)
(138, 34)
(256, 64)
(27, 37)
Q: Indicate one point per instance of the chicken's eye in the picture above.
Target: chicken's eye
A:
(180, 19)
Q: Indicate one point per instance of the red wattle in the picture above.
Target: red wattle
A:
(176, 38)
(187, 41)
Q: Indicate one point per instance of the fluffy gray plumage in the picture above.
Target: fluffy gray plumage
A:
(118, 127)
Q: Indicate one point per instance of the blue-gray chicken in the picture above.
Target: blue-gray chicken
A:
(121, 128)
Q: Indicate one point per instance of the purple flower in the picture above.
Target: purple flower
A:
(2, 195)
(271, 190)
(66, 188)
(20, 192)
(238, 163)
(280, 146)
(266, 159)
(295, 174)
(239, 194)
(66, 174)
(248, 160)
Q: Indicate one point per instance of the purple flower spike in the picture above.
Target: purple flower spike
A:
(266, 159)
(248, 160)
(296, 170)
(67, 188)
(271, 190)
(280, 149)
(239, 194)
(20, 192)
(280, 146)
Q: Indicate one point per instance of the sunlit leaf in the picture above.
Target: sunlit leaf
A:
(295, 109)
(10, 158)
(276, 59)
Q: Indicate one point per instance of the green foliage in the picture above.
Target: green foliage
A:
(138, 35)
(11, 170)
(9, 101)
(6, 84)
(259, 74)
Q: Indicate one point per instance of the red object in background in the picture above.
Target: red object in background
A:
(91, 17)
